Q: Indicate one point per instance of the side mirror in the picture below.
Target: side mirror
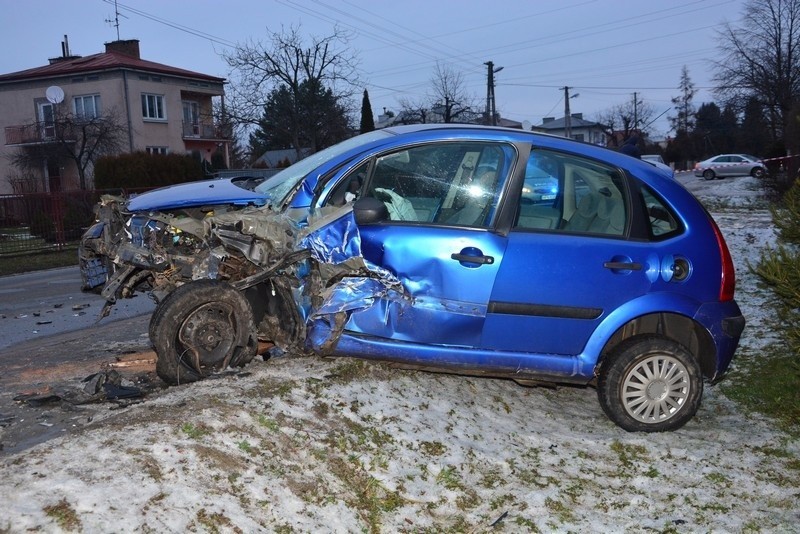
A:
(369, 210)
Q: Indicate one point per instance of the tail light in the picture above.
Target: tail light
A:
(727, 284)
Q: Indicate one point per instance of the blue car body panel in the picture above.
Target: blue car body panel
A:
(202, 193)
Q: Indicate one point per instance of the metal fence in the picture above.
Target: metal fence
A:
(38, 222)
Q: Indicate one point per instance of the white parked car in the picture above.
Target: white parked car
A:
(730, 165)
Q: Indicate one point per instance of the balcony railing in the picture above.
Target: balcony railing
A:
(35, 133)
(202, 130)
(38, 133)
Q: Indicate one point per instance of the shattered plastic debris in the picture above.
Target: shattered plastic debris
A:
(96, 387)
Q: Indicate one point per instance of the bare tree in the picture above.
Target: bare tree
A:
(623, 120)
(287, 60)
(413, 111)
(72, 137)
(448, 100)
(761, 59)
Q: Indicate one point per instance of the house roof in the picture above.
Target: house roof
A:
(110, 60)
(558, 124)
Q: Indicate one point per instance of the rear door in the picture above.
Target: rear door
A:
(556, 284)
(738, 166)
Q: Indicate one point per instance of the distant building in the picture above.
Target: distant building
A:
(164, 109)
(272, 159)
(581, 130)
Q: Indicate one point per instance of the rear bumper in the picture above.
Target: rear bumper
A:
(725, 322)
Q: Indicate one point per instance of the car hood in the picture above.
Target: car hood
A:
(203, 193)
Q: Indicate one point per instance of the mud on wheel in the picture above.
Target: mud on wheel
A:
(650, 384)
(200, 328)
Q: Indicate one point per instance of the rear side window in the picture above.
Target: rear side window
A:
(663, 222)
(570, 193)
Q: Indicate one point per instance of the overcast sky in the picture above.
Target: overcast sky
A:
(604, 50)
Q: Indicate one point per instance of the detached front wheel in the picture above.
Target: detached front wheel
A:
(200, 328)
(650, 384)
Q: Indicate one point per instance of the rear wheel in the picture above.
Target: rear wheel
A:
(708, 174)
(200, 328)
(650, 384)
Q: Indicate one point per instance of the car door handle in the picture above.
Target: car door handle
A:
(483, 260)
(623, 265)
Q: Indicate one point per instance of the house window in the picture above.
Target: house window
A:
(157, 150)
(153, 107)
(87, 106)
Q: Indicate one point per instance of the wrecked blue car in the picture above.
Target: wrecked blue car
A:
(465, 249)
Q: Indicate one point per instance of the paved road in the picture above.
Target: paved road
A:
(41, 304)
(50, 341)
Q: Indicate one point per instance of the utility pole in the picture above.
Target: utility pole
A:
(567, 115)
(491, 111)
(635, 110)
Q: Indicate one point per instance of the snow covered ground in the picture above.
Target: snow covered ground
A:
(313, 445)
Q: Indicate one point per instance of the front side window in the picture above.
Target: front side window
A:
(569, 193)
(453, 184)
(153, 107)
(87, 107)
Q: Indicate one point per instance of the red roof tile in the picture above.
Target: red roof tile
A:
(100, 62)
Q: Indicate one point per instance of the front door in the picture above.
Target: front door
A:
(191, 119)
(442, 199)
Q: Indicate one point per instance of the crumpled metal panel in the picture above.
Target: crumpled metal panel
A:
(335, 240)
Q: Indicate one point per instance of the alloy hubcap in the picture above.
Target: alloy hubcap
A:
(655, 388)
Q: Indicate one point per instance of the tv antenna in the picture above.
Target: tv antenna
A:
(116, 18)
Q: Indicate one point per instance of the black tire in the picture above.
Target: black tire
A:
(200, 328)
(155, 318)
(758, 172)
(650, 384)
(708, 174)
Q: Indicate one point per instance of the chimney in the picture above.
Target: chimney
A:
(65, 52)
(577, 116)
(548, 119)
(129, 47)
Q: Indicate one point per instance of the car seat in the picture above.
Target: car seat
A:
(584, 215)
